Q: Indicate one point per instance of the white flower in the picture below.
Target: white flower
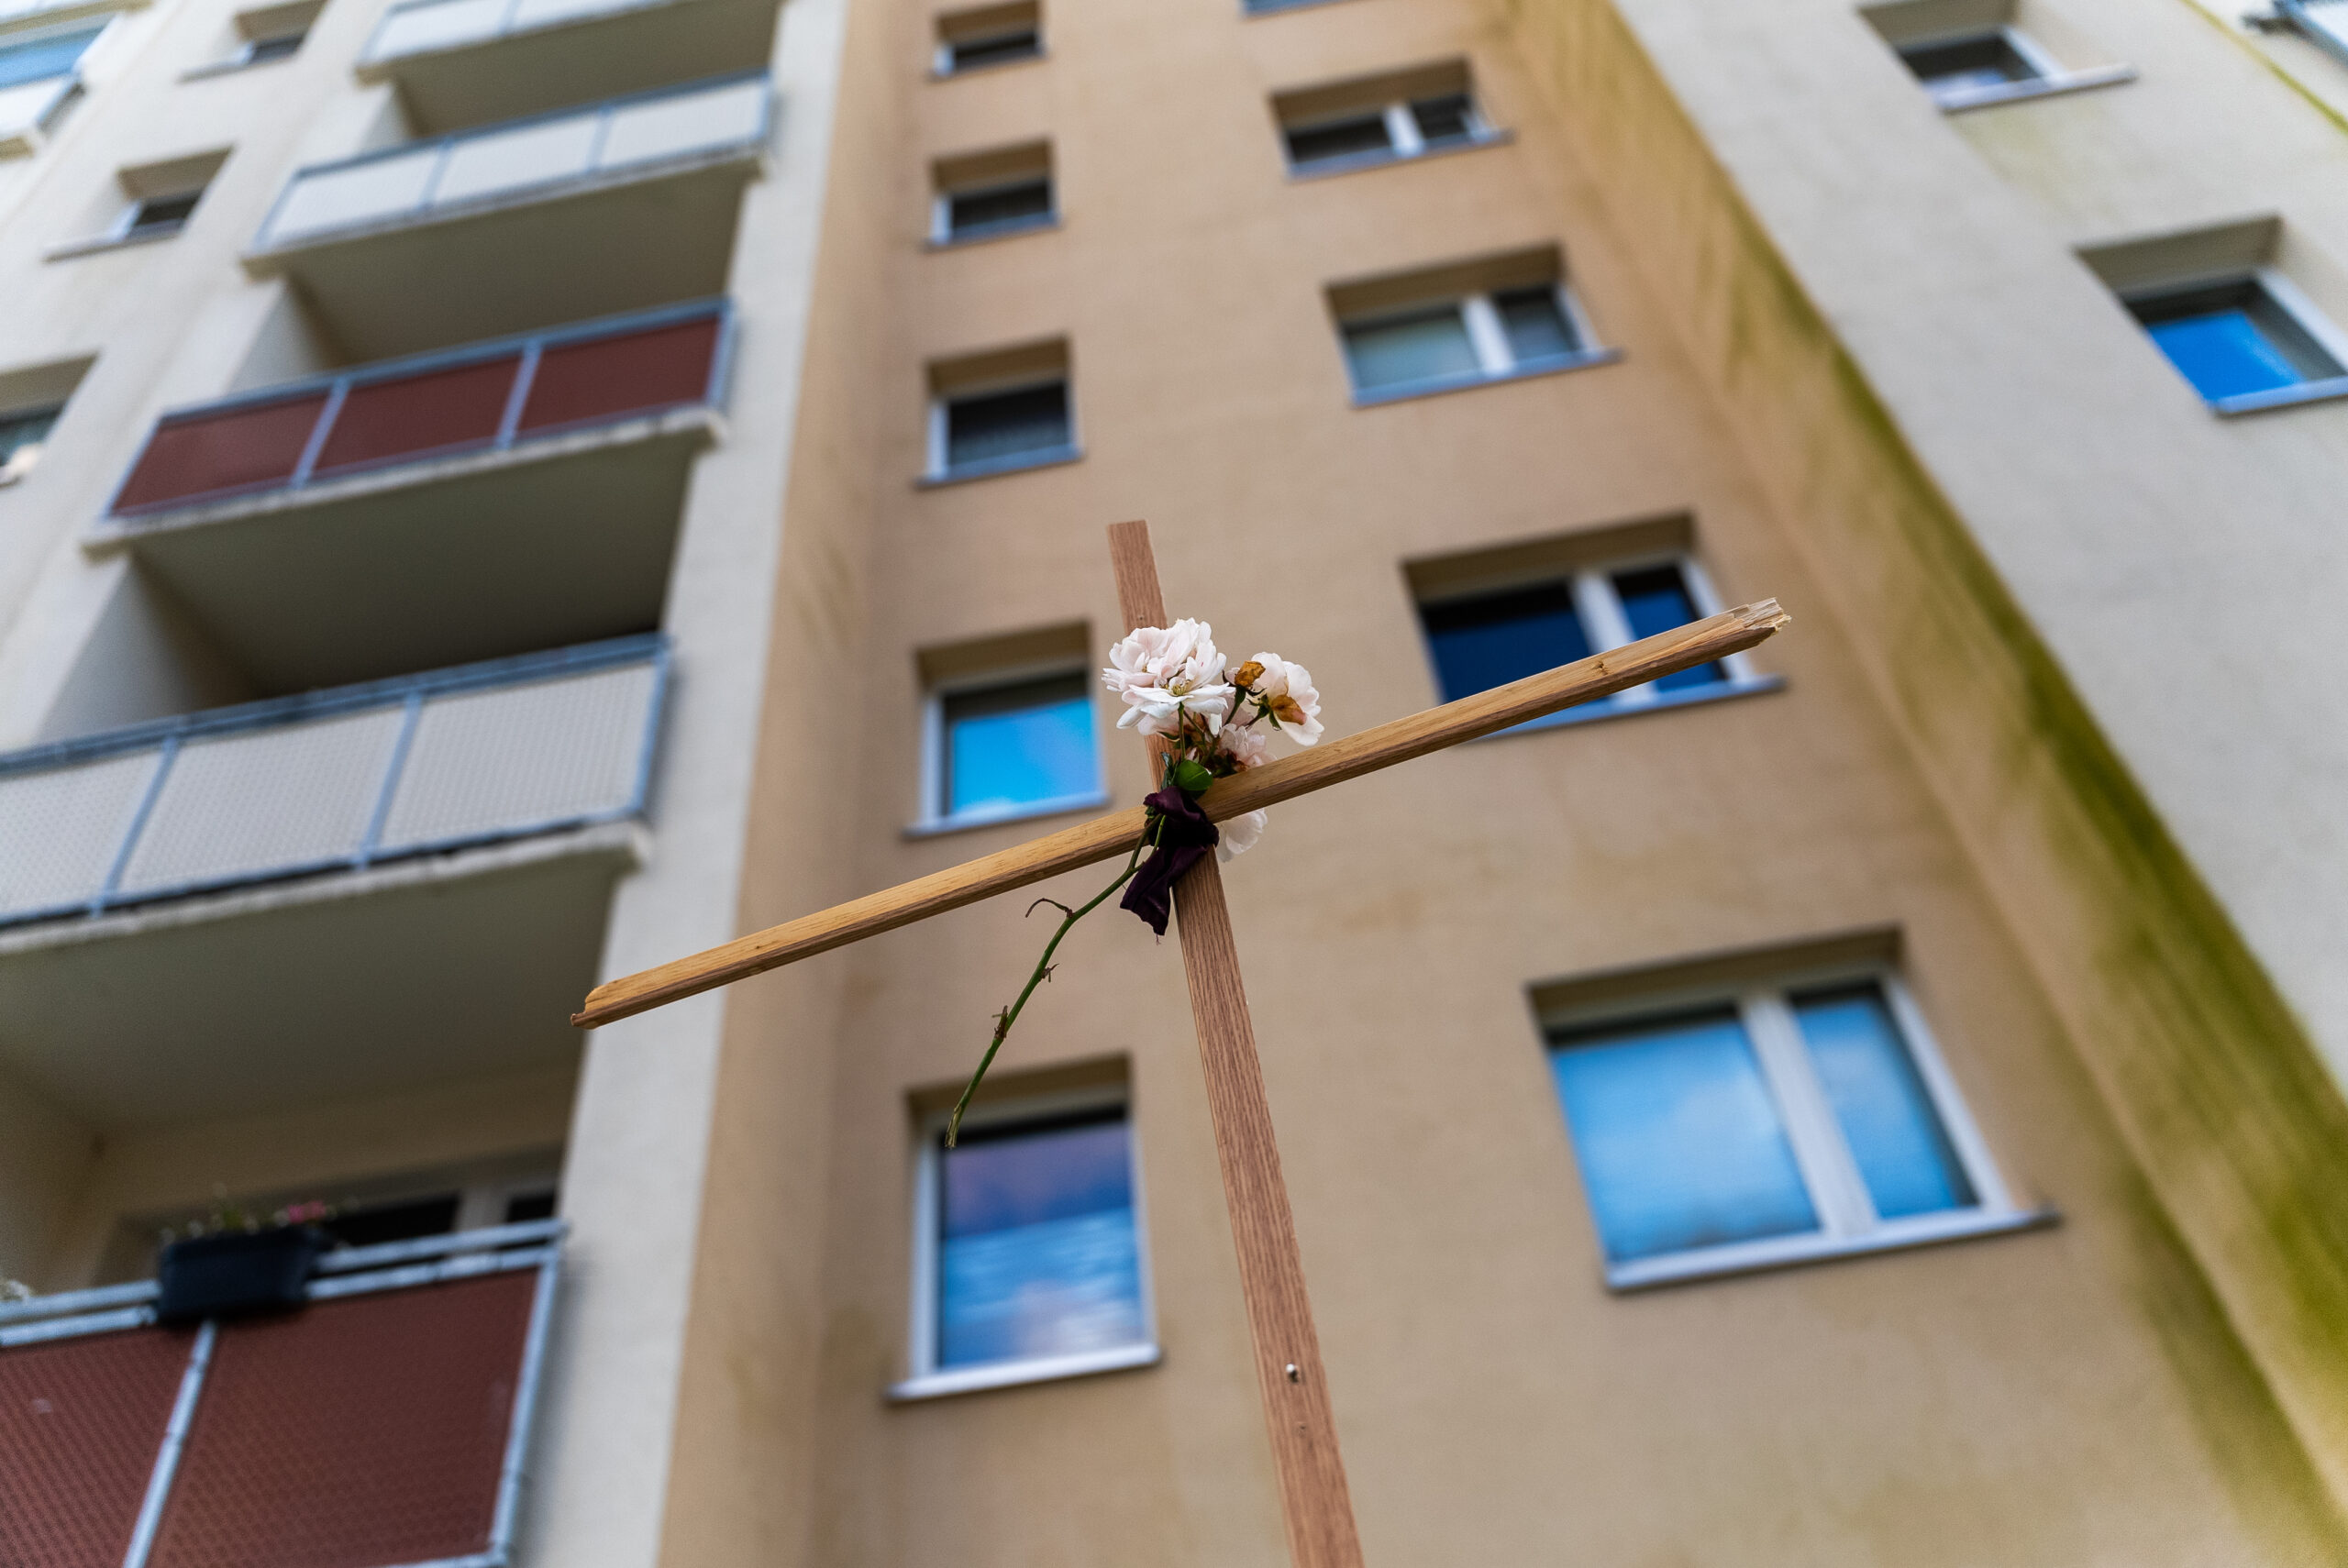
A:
(1284, 690)
(1240, 834)
(1248, 746)
(1164, 672)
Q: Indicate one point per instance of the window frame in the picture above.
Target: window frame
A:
(26, 457)
(2053, 76)
(1404, 141)
(936, 470)
(2286, 297)
(932, 819)
(942, 233)
(1847, 1223)
(924, 1379)
(1598, 605)
(1486, 336)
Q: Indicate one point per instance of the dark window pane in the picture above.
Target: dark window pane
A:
(1495, 638)
(1656, 599)
(396, 1221)
(529, 1205)
(1430, 348)
(1679, 1142)
(2233, 338)
(1038, 1250)
(1962, 65)
(973, 212)
(1363, 136)
(1010, 746)
(997, 425)
(161, 214)
(277, 48)
(1537, 325)
(1880, 1101)
(43, 58)
(1445, 119)
(966, 53)
(24, 430)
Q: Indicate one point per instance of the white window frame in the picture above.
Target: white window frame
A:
(1848, 1224)
(1495, 361)
(941, 209)
(2053, 76)
(1603, 623)
(923, 1379)
(932, 819)
(936, 470)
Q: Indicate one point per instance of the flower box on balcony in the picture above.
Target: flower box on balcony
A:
(233, 1273)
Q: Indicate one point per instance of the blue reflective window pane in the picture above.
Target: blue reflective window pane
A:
(44, 58)
(1679, 1142)
(1037, 1251)
(1534, 323)
(2224, 354)
(1880, 1101)
(1495, 638)
(1016, 745)
(1656, 599)
(1431, 345)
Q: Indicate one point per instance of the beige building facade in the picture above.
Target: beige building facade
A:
(578, 482)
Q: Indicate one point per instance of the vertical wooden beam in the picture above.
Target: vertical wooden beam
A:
(1314, 1497)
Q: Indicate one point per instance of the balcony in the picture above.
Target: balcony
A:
(616, 206)
(470, 63)
(387, 1421)
(412, 872)
(312, 528)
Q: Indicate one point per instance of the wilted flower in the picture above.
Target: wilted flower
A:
(1283, 692)
(1166, 673)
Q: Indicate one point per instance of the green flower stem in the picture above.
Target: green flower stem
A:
(1010, 1015)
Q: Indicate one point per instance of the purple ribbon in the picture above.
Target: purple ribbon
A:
(1183, 834)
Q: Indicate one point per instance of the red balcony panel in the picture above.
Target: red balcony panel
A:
(81, 1422)
(238, 448)
(611, 376)
(417, 414)
(364, 1431)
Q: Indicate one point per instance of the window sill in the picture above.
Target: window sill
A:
(1059, 805)
(1413, 390)
(1330, 168)
(1662, 703)
(984, 66)
(1047, 458)
(73, 248)
(1788, 1252)
(2324, 391)
(1007, 231)
(1274, 7)
(1957, 102)
(231, 67)
(1013, 1373)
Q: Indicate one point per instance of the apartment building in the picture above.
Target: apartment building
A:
(498, 494)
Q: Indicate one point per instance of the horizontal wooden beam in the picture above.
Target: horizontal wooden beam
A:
(1332, 762)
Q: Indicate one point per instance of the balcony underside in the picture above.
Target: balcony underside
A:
(619, 243)
(628, 49)
(561, 541)
(346, 984)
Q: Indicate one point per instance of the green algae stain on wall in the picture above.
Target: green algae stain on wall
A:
(2237, 1126)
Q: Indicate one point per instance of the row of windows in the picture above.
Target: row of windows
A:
(1731, 1129)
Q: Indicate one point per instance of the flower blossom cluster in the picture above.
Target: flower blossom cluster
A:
(1174, 683)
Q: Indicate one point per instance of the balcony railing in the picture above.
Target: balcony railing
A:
(424, 27)
(539, 156)
(387, 1421)
(330, 780)
(486, 396)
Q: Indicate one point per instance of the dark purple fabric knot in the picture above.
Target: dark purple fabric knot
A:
(1183, 834)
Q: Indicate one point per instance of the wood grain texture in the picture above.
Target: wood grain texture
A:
(1330, 762)
(1314, 1500)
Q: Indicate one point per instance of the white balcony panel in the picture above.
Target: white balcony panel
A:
(293, 795)
(514, 757)
(442, 23)
(652, 128)
(59, 831)
(553, 13)
(535, 154)
(354, 193)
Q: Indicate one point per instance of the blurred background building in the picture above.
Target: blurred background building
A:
(498, 494)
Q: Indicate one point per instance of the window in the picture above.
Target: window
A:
(153, 217)
(1000, 413)
(1969, 53)
(994, 34)
(47, 58)
(1769, 1123)
(1459, 327)
(22, 434)
(1489, 636)
(1380, 120)
(2323, 23)
(262, 50)
(2240, 343)
(1963, 69)
(984, 195)
(1029, 1258)
(1016, 747)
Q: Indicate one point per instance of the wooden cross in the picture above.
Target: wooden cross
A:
(1271, 1276)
